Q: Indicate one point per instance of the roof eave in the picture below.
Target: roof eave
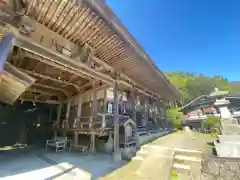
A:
(107, 14)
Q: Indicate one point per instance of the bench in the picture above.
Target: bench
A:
(82, 148)
(58, 142)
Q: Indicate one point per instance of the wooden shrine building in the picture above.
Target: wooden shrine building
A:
(77, 54)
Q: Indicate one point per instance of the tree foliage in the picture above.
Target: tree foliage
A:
(235, 88)
(211, 121)
(192, 85)
(175, 117)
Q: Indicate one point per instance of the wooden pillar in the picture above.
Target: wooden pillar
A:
(94, 115)
(105, 103)
(94, 102)
(68, 110)
(154, 113)
(57, 125)
(164, 111)
(146, 119)
(75, 139)
(59, 112)
(67, 117)
(79, 111)
(23, 137)
(50, 113)
(133, 104)
(92, 140)
(116, 118)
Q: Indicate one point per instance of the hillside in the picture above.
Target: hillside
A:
(235, 86)
(192, 85)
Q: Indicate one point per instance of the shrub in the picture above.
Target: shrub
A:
(211, 121)
(175, 117)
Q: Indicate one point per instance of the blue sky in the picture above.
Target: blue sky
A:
(201, 36)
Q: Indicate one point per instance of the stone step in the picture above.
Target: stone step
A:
(181, 169)
(142, 153)
(137, 158)
(154, 147)
(187, 152)
(187, 160)
(145, 154)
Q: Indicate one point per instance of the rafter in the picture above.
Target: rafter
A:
(56, 59)
(49, 78)
(36, 90)
(40, 101)
(52, 87)
(64, 68)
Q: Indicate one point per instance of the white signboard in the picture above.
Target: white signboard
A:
(110, 108)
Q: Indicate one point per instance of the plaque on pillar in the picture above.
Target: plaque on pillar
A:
(109, 108)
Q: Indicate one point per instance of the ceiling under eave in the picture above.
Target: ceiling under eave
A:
(92, 22)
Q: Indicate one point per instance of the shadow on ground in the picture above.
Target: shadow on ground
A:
(41, 164)
(38, 163)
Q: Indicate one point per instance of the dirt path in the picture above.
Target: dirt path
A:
(156, 163)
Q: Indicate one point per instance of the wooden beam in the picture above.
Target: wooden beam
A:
(29, 44)
(49, 78)
(53, 64)
(103, 86)
(35, 90)
(130, 86)
(32, 44)
(52, 87)
(40, 101)
(85, 85)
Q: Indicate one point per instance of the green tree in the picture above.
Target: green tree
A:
(192, 85)
(211, 121)
(175, 117)
(235, 86)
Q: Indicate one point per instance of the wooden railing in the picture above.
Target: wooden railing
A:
(103, 121)
(88, 125)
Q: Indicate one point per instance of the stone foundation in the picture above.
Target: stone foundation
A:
(148, 138)
(214, 168)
